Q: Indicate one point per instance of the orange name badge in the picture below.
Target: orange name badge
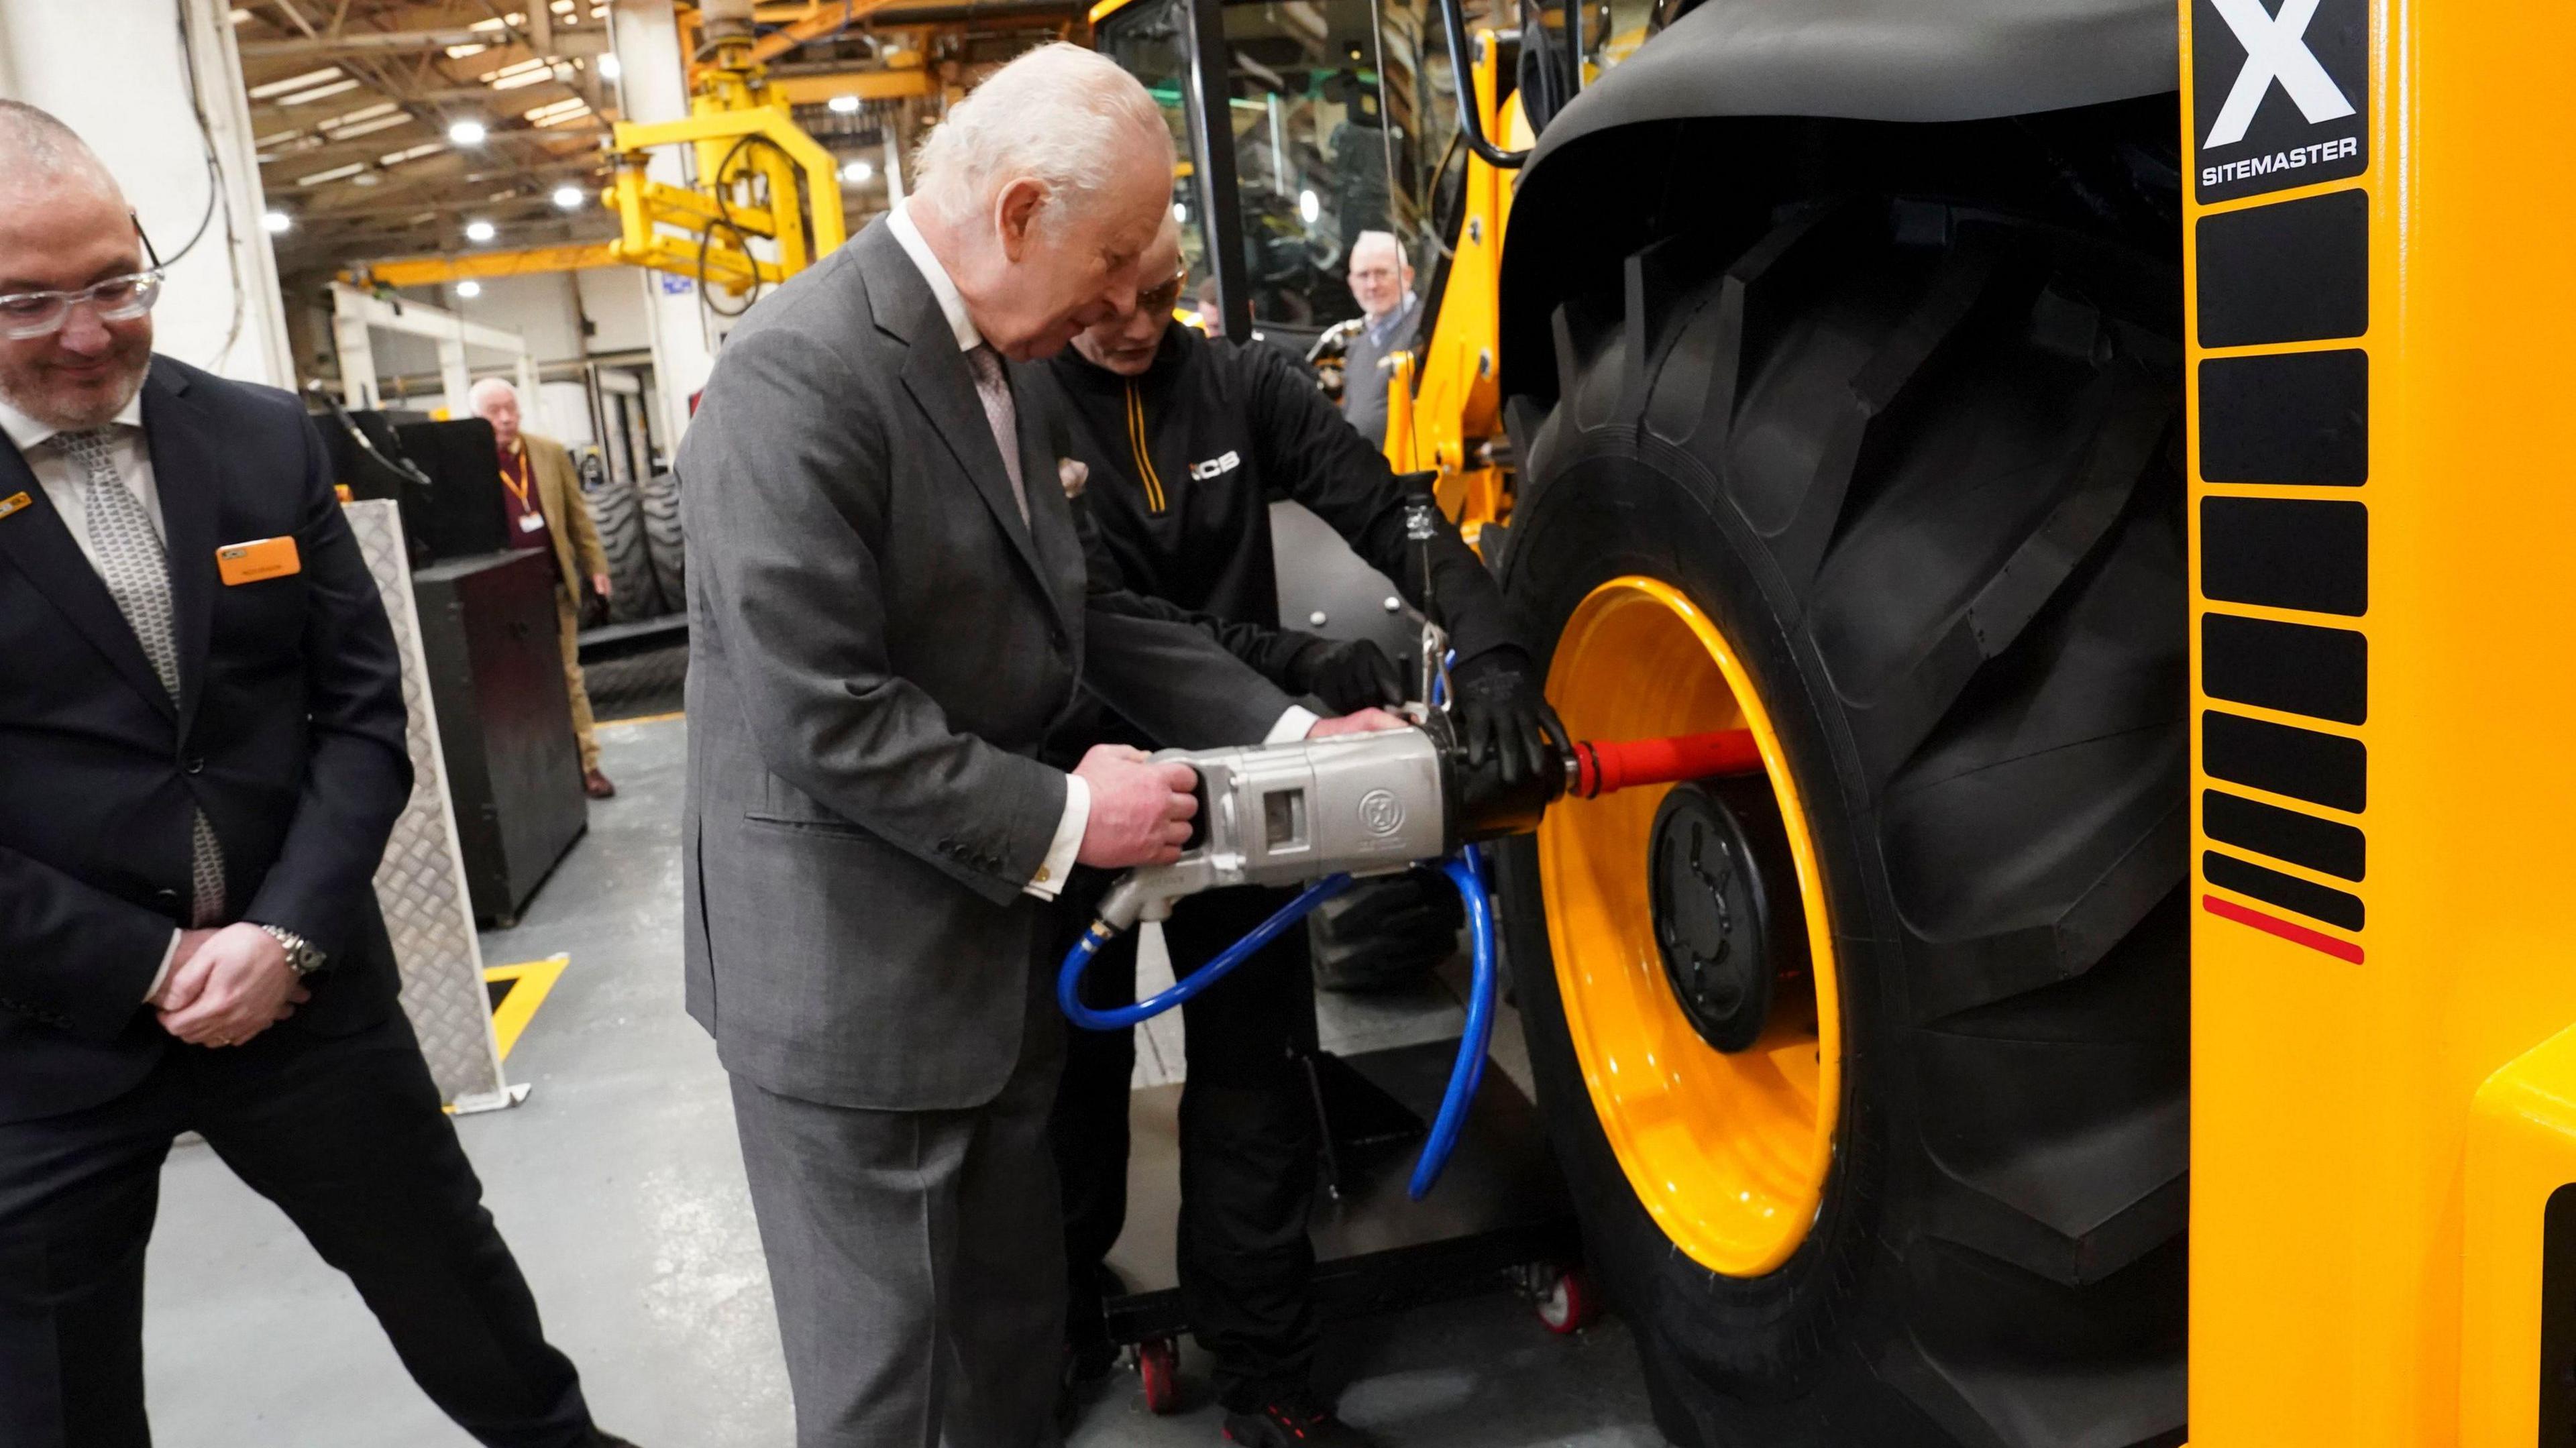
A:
(14, 502)
(250, 562)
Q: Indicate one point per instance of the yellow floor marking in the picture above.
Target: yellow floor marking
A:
(646, 719)
(533, 979)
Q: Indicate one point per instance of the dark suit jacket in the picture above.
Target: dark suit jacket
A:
(288, 733)
(878, 648)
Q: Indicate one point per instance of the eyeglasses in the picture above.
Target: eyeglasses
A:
(1163, 298)
(1373, 273)
(28, 315)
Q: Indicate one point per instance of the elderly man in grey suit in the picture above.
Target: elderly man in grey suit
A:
(889, 609)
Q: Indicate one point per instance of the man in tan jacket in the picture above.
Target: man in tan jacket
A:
(541, 493)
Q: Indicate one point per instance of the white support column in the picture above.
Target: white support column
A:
(894, 162)
(453, 379)
(653, 85)
(357, 355)
(116, 72)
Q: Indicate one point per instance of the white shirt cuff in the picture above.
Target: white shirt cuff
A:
(1292, 726)
(169, 958)
(1049, 880)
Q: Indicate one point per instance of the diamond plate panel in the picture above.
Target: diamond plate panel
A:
(421, 884)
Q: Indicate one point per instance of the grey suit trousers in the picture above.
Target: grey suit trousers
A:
(917, 1258)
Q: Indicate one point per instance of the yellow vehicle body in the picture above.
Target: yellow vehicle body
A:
(1444, 399)
(2377, 1124)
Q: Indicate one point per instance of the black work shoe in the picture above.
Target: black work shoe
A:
(1297, 1421)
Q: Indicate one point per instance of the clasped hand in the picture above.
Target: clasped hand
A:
(226, 986)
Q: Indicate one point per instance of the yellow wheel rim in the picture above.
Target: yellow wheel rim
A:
(1729, 1152)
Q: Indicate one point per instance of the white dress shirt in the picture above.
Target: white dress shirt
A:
(1059, 861)
(66, 486)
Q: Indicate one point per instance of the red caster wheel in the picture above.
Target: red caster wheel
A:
(1569, 1304)
(1158, 1362)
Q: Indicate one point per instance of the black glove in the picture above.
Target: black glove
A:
(1347, 674)
(1501, 712)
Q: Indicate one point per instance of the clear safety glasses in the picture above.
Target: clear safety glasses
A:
(26, 315)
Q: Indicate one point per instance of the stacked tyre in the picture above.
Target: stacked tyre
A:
(639, 530)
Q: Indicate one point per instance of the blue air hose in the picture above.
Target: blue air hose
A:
(1068, 981)
(1464, 870)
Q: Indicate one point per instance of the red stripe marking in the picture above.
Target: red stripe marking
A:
(2290, 931)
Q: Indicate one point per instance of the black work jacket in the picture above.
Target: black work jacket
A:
(1183, 463)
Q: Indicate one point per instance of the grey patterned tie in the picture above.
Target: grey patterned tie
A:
(136, 569)
(994, 388)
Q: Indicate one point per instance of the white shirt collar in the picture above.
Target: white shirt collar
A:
(952, 304)
(30, 434)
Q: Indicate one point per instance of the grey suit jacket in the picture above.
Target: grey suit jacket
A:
(878, 648)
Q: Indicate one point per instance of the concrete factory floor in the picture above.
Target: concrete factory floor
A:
(620, 1185)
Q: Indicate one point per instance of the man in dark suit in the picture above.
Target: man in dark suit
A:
(889, 610)
(201, 756)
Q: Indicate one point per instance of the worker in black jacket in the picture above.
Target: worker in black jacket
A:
(1178, 445)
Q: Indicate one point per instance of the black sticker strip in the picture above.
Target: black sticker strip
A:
(2327, 769)
(2286, 553)
(2278, 93)
(2317, 902)
(2296, 668)
(2325, 846)
(2296, 271)
(2286, 417)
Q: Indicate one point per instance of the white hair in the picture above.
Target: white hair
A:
(490, 387)
(1060, 114)
(1367, 239)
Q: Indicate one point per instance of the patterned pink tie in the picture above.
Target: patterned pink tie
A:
(994, 389)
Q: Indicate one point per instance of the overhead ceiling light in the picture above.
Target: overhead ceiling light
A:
(277, 222)
(469, 289)
(609, 69)
(1181, 213)
(306, 81)
(467, 133)
(568, 197)
(480, 231)
(857, 172)
(1309, 206)
(843, 105)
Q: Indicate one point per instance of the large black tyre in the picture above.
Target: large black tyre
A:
(617, 511)
(662, 541)
(1921, 466)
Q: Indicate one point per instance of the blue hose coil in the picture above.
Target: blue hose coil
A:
(1465, 870)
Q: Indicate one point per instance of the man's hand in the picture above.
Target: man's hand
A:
(166, 996)
(1346, 674)
(599, 585)
(1501, 712)
(1366, 721)
(235, 985)
(1140, 812)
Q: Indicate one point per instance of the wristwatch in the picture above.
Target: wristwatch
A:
(302, 955)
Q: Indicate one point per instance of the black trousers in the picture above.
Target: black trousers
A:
(345, 1135)
(1247, 1139)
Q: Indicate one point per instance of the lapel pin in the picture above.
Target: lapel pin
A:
(14, 502)
(1074, 473)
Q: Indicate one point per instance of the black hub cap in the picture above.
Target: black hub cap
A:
(1710, 870)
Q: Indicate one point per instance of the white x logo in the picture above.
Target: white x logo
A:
(2276, 48)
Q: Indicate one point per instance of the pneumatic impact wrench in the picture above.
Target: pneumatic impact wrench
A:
(1322, 812)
